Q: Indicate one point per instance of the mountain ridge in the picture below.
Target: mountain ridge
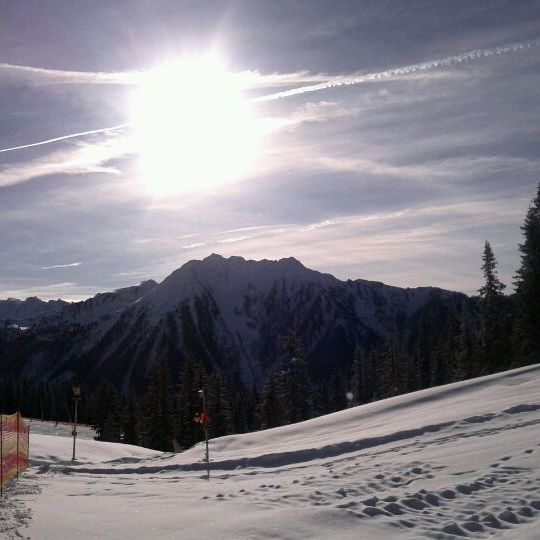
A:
(231, 313)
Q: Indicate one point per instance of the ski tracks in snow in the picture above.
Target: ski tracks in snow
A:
(418, 498)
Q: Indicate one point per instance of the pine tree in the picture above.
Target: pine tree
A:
(246, 411)
(219, 407)
(294, 383)
(422, 356)
(131, 421)
(360, 386)
(191, 379)
(492, 288)
(158, 411)
(465, 366)
(271, 407)
(494, 339)
(444, 357)
(528, 284)
(106, 420)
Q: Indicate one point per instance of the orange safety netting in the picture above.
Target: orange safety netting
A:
(14, 443)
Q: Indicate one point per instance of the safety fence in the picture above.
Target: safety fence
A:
(14, 447)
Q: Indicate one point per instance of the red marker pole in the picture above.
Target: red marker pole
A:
(205, 427)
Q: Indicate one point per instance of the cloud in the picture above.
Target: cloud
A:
(314, 112)
(417, 246)
(234, 239)
(37, 75)
(255, 79)
(363, 165)
(68, 291)
(65, 137)
(69, 265)
(84, 159)
(400, 71)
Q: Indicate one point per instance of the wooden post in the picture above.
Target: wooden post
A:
(74, 428)
(205, 428)
(1, 455)
(18, 415)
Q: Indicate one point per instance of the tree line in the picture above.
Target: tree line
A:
(486, 334)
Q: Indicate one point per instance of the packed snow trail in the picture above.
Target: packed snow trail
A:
(458, 461)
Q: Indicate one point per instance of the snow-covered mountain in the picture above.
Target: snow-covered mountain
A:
(24, 312)
(230, 313)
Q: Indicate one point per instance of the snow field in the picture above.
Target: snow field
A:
(459, 461)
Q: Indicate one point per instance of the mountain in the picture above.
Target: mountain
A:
(230, 313)
(24, 312)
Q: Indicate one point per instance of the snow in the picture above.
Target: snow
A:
(458, 461)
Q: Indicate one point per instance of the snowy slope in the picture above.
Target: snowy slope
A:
(459, 461)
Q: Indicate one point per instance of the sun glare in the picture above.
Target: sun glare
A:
(193, 127)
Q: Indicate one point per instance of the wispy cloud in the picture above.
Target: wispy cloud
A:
(401, 71)
(256, 79)
(69, 265)
(43, 76)
(68, 290)
(419, 242)
(83, 159)
(65, 137)
(234, 239)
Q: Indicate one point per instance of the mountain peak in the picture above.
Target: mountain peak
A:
(291, 262)
(214, 257)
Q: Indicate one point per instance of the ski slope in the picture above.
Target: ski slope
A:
(458, 461)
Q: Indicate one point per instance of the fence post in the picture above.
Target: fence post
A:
(1, 455)
(18, 445)
(27, 446)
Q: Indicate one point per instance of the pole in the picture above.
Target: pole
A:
(1, 455)
(18, 415)
(28, 445)
(205, 425)
(74, 428)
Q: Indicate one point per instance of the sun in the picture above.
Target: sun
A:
(193, 127)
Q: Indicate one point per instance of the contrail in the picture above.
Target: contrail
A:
(76, 77)
(405, 70)
(337, 82)
(64, 137)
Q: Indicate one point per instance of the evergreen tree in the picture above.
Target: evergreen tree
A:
(465, 366)
(444, 357)
(294, 383)
(528, 284)
(271, 413)
(219, 407)
(421, 357)
(360, 379)
(191, 379)
(388, 371)
(246, 411)
(337, 387)
(106, 420)
(158, 412)
(131, 420)
(494, 339)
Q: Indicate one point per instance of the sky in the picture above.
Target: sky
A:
(380, 140)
